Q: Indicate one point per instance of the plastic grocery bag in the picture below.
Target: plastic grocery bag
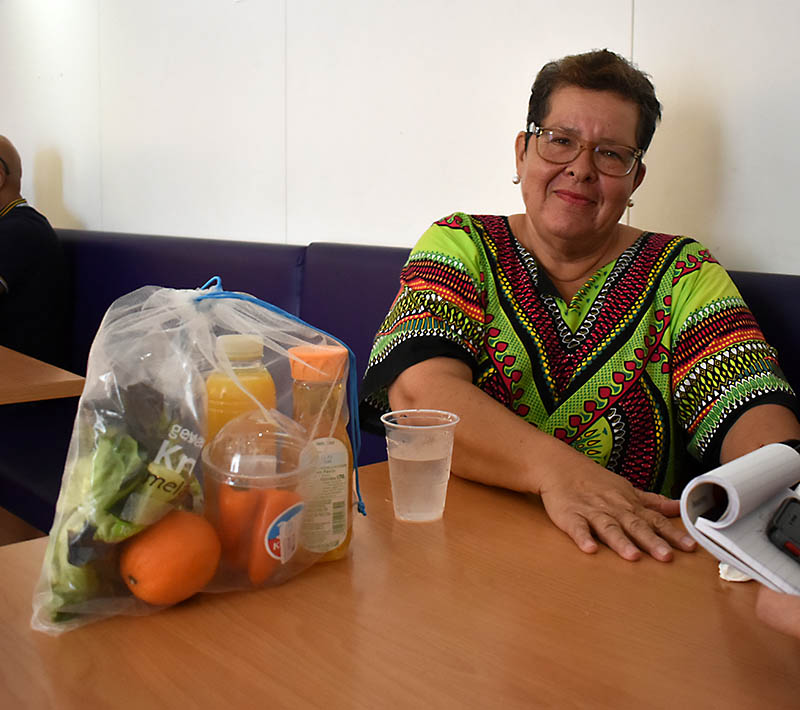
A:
(133, 530)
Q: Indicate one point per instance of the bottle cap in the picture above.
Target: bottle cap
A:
(318, 363)
(240, 347)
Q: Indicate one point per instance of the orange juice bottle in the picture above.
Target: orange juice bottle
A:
(226, 400)
(320, 406)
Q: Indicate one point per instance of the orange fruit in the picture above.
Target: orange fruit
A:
(265, 545)
(172, 559)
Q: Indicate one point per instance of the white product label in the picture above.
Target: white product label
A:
(325, 523)
(282, 533)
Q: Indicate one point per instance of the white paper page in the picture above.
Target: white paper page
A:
(752, 479)
(750, 549)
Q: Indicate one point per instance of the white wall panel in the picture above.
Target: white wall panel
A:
(725, 162)
(49, 104)
(363, 121)
(399, 113)
(192, 114)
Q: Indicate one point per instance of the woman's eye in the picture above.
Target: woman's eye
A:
(561, 140)
(610, 153)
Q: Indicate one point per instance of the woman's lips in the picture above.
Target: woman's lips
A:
(573, 198)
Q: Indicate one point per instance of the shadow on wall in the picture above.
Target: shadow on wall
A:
(681, 193)
(48, 190)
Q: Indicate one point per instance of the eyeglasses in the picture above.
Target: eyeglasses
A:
(5, 167)
(560, 147)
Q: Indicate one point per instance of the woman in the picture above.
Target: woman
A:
(583, 356)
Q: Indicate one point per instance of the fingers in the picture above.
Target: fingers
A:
(666, 506)
(660, 506)
(676, 537)
(582, 536)
(630, 534)
(612, 534)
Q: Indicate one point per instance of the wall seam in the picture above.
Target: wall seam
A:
(100, 117)
(286, 121)
(633, 14)
(633, 17)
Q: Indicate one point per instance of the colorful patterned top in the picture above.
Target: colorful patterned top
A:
(655, 355)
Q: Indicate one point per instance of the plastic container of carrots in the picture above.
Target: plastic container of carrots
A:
(256, 477)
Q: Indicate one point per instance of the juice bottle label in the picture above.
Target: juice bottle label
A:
(283, 532)
(325, 526)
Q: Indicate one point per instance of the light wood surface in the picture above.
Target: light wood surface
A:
(25, 379)
(14, 529)
(492, 607)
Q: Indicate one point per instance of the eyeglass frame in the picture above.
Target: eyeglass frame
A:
(537, 131)
(5, 167)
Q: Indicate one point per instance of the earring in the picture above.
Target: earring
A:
(515, 179)
(630, 203)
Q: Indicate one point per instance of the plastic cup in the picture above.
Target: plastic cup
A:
(419, 444)
(257, 481)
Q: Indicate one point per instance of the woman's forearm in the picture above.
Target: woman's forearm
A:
(492, 444)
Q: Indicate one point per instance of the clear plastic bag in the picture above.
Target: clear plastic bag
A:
(142, 487)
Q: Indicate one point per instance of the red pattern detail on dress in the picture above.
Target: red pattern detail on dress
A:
(454, 221)
(692, 263)
(639, 463)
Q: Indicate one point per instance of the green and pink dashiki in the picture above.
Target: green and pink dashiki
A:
(654, 357)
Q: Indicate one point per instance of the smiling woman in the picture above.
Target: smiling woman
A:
(591, 362)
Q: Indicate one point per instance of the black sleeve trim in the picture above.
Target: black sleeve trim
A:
(414, 350)
(711, 457)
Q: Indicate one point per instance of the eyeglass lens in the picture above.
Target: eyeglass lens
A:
(560, 147)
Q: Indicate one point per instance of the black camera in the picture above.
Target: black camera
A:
(784, 528)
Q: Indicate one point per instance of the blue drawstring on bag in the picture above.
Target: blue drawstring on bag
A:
(213, 290)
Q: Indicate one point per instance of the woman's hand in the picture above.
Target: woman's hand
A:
(629, 521)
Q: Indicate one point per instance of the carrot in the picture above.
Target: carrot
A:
(237, 511)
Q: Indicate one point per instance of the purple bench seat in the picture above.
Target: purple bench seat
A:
(342, 289)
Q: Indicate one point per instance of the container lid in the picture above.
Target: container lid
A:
(260, 450)
(318, 363)
(240, 347)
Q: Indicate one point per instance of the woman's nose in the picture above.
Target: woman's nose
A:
(583, 166)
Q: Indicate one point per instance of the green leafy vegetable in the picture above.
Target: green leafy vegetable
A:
(112, 494)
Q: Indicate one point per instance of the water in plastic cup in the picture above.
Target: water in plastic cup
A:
(419, 443)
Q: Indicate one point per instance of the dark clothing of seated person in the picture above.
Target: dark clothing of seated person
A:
(33, 272)
(589, 361)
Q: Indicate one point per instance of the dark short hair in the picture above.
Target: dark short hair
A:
(599, 70)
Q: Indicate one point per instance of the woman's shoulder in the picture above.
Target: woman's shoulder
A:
(679, 245)
(470, 223)
(459, 235)
(687, 264)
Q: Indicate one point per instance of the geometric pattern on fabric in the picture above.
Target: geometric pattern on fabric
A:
(654, 357)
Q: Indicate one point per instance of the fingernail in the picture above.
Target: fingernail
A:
(663, 551)
(687, 541)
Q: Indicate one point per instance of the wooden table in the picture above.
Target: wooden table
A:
(492, 607)
(25, 379)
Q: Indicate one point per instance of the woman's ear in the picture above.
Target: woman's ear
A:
(520, 152)
(637, 180)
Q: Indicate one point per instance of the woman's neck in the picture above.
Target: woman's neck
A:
(570, 263)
